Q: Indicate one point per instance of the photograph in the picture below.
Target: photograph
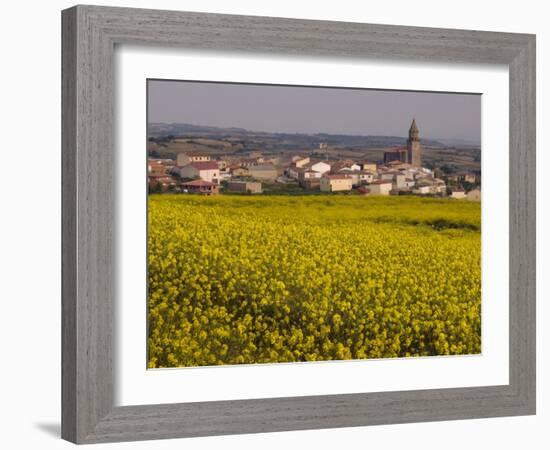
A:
(271, 225)
(298, 224)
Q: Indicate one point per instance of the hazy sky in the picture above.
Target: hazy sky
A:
(315, 110)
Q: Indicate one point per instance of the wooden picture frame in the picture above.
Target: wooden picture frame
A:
(90, 34)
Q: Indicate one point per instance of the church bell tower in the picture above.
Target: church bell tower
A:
(414, 156)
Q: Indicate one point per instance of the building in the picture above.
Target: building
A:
(459, 194)
(222, 164)
(439, 186)
(200, 187)
(266, 172)
(161, 182)
(430, 186)
(368, 165)
(311, 184)
(345, 165)
(423, 174)
(412, 154)
(191, 157)
(156, 167)
(474, 195)
(388, 176)
(321, 167)
(159, 166)
(335, 183)
(239, 171)
(275, 160)
(423, 189)
(400, 181)
(250, 187)
(380, 187)
(292, 172)
(398, 165)
(305, 174)
(365, 176)
(225, 175)
(353, 174)
(207, 171)
(300, 161)
(463, 177)
(249, 162)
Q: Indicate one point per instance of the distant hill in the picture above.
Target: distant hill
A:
(160, 129)
(157, 130)
(458, 142)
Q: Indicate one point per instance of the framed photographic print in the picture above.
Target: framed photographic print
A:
(277, 224)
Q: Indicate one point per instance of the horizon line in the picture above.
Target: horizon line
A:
(310, 133)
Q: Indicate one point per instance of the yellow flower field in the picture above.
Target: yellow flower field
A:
(245, 279)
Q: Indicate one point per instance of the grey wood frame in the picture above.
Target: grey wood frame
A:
(89, 37)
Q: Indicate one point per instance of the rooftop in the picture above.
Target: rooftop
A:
(205, 165)
(194, 153)
(337, 177)
(262, 167)
(199, 183)
(382, 182)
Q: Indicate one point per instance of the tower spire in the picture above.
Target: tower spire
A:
(413, 130)
(414, 152)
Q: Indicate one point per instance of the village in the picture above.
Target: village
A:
(400, 172)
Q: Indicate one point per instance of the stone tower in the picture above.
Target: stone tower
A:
(414, 155)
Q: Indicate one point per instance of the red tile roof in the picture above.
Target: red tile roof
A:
(205, 165)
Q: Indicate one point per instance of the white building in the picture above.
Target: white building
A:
(365, 176)
(422, 190)
(400, 181)
(225, 175)
(321, 167)
(439, 186)
(292, 172)
(207, 171)
(352, 166)
(459, 194)
(309, 174)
